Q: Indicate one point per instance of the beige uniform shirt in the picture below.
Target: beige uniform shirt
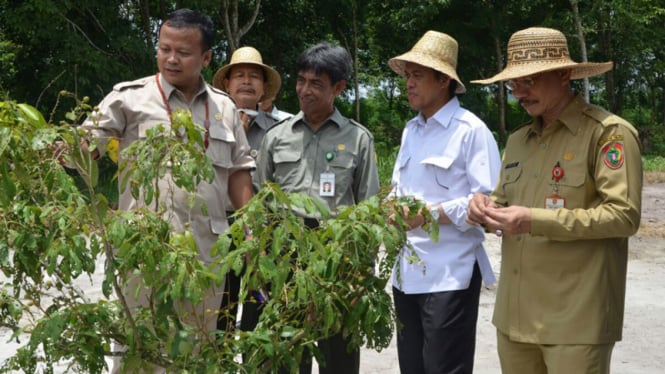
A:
(294, 156)
(565, 282)
(134, 107)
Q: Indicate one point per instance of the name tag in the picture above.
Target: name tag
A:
(555, 202)
(327, 184)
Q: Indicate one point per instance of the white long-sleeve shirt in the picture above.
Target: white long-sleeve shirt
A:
(445, 160)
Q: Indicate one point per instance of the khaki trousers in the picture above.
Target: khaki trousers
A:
(528, 358)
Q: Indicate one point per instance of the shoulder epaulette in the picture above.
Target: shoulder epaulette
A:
(604, 117)
(357, 124)
(218, 91)
(132, 84)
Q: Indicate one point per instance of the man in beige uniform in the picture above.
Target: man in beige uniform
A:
(568, 198)
(248, 81)
(132, 108)
(320, 153)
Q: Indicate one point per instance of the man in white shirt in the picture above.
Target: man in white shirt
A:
(447, 154)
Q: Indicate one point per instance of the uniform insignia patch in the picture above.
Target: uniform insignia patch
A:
(613, 155)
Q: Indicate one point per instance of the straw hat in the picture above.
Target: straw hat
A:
(249, 55)
(538, 49)
(434, 50)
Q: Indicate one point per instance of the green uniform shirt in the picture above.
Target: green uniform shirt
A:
(294, 156)
(565, 282)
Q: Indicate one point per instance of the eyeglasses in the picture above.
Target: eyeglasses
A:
(523, 83)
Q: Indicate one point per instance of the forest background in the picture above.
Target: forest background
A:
(58, 55)
(86, 47)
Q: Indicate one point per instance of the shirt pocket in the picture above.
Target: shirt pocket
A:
(287, 164)
(343, 167)
(444, 174)
(221, 142)
(510, 180)
(572, 187)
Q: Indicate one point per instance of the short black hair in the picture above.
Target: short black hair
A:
(326, 58)
(183, 18)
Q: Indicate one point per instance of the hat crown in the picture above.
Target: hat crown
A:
(246, 55)
(537, 45)
(438, 46)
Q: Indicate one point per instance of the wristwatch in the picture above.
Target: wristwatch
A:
(434, 211)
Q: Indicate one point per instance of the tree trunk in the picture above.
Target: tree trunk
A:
(145, 24)
(229, 16)
(580, 35)
(356, 64)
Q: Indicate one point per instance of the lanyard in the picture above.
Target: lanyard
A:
(206, 123)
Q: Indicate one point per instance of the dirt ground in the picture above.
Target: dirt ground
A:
(640, 352)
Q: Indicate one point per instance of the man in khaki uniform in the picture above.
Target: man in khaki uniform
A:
(248, 81)
(568, 198)
(325, 155)
(132, 108)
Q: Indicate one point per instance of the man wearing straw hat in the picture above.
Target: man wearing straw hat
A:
(248, 81)
(447, 154)
(568, 198)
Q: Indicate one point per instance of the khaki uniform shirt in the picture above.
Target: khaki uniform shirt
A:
(134, 107)
(565, 282)
(294, 156)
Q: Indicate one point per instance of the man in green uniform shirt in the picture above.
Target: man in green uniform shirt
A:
(568, 198)
(325, 155)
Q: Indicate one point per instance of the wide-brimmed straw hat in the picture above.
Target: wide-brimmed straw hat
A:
(539, 49)
(434, 50)
(249, 55)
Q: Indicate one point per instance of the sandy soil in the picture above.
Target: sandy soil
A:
(640, 352)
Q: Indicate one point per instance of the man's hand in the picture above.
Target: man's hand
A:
(511, 220)
(476, 210)
(413, 222)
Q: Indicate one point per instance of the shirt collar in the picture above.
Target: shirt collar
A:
(336, 118)
(569, 118)
(169, 88)
(442, 117)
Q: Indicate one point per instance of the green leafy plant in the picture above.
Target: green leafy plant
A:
(53, 236)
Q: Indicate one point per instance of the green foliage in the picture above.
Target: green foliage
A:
(654, 163)
(52, 236)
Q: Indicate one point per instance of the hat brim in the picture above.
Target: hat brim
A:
(398, 63)
(579, 70)
(272, 85)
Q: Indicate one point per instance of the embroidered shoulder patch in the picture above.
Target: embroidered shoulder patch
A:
(613, 155)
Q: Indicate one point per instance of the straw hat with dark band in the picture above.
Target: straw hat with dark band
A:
(434, 50)
(249, 55)
(538, 49)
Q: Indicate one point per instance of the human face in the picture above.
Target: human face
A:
(181, 58)
(245, 84)
(426, 93)
(316, 95)
(543, 95)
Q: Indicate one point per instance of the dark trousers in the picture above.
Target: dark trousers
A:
(438, 333)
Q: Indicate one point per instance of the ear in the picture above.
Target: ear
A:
(565, 75)
(207, 57)
(339, 87)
